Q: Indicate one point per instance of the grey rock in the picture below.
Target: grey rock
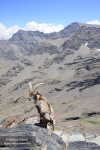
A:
(93, 139)
(58, 89)
(83, 146)
(38, 141)
(32, 137)
(26, 62)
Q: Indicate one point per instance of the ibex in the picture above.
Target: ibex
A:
(44, 108)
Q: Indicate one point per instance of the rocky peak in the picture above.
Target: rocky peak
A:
(70, 29)
(25, 36)
(85, 34)
(74, 25)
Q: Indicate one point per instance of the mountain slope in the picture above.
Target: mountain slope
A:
(67, 62)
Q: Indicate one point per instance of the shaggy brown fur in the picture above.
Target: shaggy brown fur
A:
(44, 109)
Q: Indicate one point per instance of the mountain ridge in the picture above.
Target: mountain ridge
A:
(23, 42)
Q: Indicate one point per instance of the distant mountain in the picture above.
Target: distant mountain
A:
(23, 42)
(27, 42)
(70, 29)
(85, 34)
(30, 35)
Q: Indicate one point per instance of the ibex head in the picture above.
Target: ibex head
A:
(32, 91)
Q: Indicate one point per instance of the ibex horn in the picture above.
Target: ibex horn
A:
(37, 86)
(30, 87)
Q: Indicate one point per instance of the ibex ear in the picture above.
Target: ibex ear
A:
(30, 87)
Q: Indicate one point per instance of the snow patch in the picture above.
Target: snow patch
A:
(98, 49)
(86, 45)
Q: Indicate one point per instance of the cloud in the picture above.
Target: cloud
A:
(43, 27)
(6, 33)
(95, 22)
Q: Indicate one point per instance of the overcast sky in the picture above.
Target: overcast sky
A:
(45, 15)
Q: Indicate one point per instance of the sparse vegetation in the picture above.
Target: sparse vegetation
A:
(31, 109)
(93, 122)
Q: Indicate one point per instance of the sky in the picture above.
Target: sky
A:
(45, 15)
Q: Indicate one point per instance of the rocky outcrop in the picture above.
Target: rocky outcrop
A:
(59, 58)
(90, 35)
(85, 115)
(13, 121)
(83, 84)
(26, 62)
(83, 146)
(29, 133)
(29, 137)
(13, 71)
(42, 48)
(20, 84)
(4, 81)
(87, 69)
